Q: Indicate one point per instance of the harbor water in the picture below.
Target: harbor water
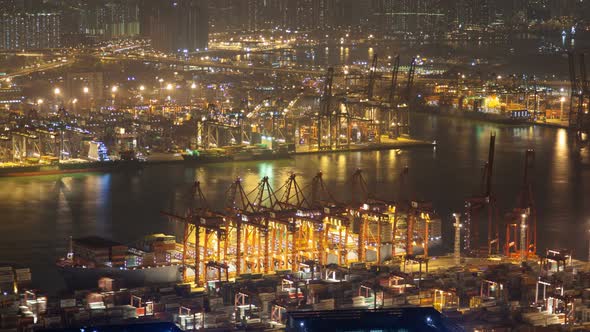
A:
(38, 214)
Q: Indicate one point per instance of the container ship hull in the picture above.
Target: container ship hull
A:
(66, 168)
(496, 118)
(240, 156)
(87, 278)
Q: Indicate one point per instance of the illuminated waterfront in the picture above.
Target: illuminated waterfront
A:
(40, 213)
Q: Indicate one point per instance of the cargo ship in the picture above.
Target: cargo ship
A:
(156, 259)
(238, 153)
(515, 117)
(10, 170)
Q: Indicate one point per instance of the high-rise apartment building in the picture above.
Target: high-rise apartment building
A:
(179, 25)
(110, 19)
(408, 16)
(30, 30)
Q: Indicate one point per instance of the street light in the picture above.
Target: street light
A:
(562, 100)
(114, 90)
(86, 90)
(141, 88)
(57, 92)
(169, 87)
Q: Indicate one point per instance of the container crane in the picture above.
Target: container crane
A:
(392, 114)
(405, 118)
(580, 94)
(524, 216)
(486, 200)
(325, 113)
(372, 78)
(197, 219)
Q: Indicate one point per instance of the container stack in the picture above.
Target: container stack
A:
(118, 255)
(327, 304)
(359, 302)
(37, 306)
(6, 280)
(23, 277)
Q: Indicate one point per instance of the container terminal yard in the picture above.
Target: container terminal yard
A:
(294, 257)
(275, 258)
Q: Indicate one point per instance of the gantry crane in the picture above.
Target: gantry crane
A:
(320, 195)
(477, 203)
(404, 110)
(524, 217)
(392, 116)
(292, 195)
(579, 118)
(201, 226)
(372, 78)
(325, 113)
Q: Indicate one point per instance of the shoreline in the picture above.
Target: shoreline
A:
(164, 159)
(499, 122)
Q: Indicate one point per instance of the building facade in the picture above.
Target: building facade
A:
(24, 30)
(179, 25)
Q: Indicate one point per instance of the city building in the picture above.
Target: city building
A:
(179, 25)
(86, 87)
(110, 19)
(409, 16)
(30, 30)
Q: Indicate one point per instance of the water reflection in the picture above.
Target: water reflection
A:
(39, 214)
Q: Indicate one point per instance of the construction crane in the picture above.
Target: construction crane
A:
(475, 204)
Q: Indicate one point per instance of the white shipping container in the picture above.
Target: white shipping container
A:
(67, 303)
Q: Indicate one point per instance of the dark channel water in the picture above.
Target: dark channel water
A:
(38, 214)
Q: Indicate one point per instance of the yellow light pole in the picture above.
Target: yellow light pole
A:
(169, 88)
(86, 91)
(114, 90)
(192, 94)
(561, 101)
(56, 93)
